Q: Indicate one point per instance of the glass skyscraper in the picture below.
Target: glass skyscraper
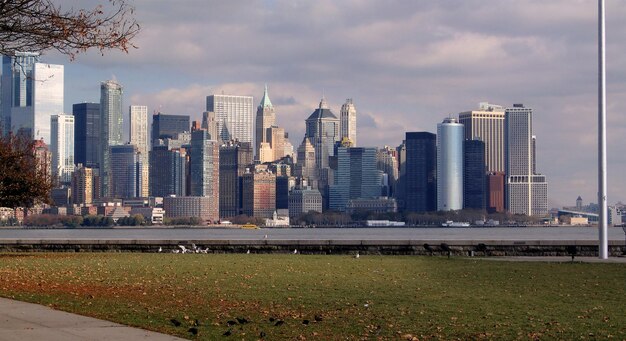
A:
(62, 147)
(449, 165)
(87, 134)
(357, 177)
(125, 173)
(420, 172)
(138, 115)
(474, 175)
(234, 116)
(168, 126)
(110, 129)
(31, 93)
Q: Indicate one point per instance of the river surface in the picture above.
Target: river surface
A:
(419, 233)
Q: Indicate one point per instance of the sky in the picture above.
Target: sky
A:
(407, 65)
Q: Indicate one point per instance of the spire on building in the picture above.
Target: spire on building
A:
(265, 101)
(323, 104)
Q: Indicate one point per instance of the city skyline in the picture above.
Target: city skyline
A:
(444, 59)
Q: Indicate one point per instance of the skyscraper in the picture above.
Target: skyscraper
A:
(276, 138)
(204, 168)
(487, 124)
(526, 192)
(124, 170)
(209, 123)
(235, 157)
(138, 115)
(167, 171)
(265, 118)
(322, 128)
(420, 175)
(235, 119)
(449, 165)
(62, 147)
(357, 177)
(82, 185)
(258, 194)
(306, 167)
(110, 130)
(348, 121)
(168, 126)
(86, 134)
(31, 93)
(474, 175)
(388, 164)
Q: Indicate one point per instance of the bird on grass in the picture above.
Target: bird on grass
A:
(357, 255)
(160, 249)
(183, 248)
(248, 252)
(175, 251)
(295, 251)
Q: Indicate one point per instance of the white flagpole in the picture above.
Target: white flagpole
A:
(603, 251)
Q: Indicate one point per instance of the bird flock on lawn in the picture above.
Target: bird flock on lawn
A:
(195, 249)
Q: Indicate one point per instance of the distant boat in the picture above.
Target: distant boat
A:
(451, 223)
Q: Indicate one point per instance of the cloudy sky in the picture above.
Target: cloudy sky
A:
(406, 64)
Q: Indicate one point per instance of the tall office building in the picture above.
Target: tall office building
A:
(265, 118)
(258, 194)
(62, 147)
(234, 116)
(348, 121)
(487, 124)
(138, 115)
(322, 128)
(168, 126)
(86, 134)
(204, 169)
(495, 192)
(449, 165)
(125, 171)
(526, 192)
(209, 123)
(110, 130)
(276, 139)
(235, 157)
(31, 93)
(357, 177)
(306, 167)
(387, 163)
(474, 175)
(400, 190)
(168, 172)
(420, 172)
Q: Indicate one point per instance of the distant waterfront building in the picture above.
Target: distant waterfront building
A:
(204, 168)
(449, 165)
(474, 175)
(487, 124)
(372, 205)
(31, 93)
(186, 207)
(526, 192)
(495, 192)
(110, 130)
(322, 128)
(357, 177)
(138, 115)
(284, 184)
(83, 185)
(234, 116)
(265, 118)
(348, 121)
(125, 172)
(168, 126)
(86, 134)
(258, 194)
(304, 200)
(235, 157)
(420, 175)
(62, 147)
(168, 171)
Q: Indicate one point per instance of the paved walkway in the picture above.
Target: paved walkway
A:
(27, 321)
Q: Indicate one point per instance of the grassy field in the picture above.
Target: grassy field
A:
(277, 297)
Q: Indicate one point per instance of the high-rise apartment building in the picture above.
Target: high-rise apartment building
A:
(168, 126)
(86, 134)
(265, 118)
(322, 128)
(125, 172)
(110, 130)
(348, 121)
(83, 185)
(357, 177)
(62, 147)
(138, 115)
(526, 192)
(449, 165)
(235, 157)
(474, 175)
(204, 168)
(234, 116)
(31, 93)
(420, 172)
(487, 124)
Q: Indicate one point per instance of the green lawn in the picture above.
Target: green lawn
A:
(327, 297)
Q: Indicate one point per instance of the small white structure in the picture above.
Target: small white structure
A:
(277, 221)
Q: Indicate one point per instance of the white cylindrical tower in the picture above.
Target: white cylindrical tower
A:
(449, 165)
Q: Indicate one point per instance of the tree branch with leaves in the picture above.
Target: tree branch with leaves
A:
(37, 25)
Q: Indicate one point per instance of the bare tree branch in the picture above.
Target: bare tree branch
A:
(37, 25)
